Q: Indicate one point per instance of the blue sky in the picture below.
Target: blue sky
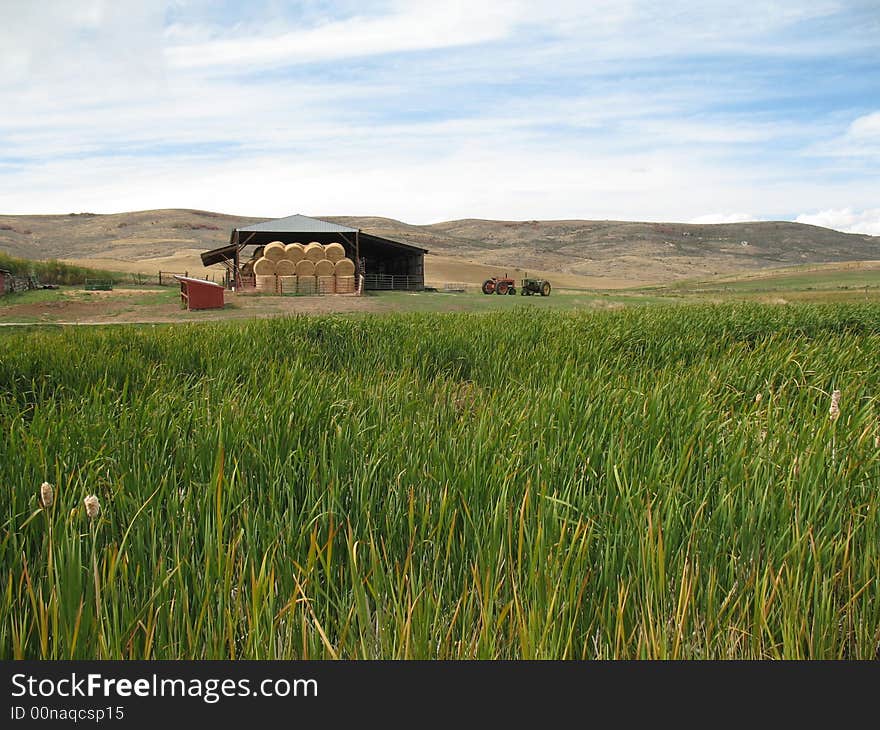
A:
(426, 111)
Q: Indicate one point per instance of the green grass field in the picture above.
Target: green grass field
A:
(827, 279)
(646, 482)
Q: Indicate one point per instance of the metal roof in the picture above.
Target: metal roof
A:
(191, 280)
(219, 255)
(297, 224)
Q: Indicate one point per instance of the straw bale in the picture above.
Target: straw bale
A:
(324, 268)
(305, 268)
(306, 284)
(266, 283)
(285, 267)
(314, 252)
(345, 285)
(264, 267)
(334, 252)
(294, 251)
(344, 267)
(274, 251)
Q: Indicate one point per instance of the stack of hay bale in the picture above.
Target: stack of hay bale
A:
(303, 269)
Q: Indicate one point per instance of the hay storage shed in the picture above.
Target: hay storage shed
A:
(383, 263)
(200, 294)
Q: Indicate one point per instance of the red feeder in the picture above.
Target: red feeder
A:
(200, 294)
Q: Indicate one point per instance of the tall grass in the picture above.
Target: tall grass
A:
(52, 271)
(509, 485)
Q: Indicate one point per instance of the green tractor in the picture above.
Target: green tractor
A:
(535, 286)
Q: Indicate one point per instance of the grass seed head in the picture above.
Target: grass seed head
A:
(93, 507)
(834, 410)
(758, 397)
(47, 495)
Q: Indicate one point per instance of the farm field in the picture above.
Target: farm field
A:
(851, 282)
(643, 482)
(72, 305)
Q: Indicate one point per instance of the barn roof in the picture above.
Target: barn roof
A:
(219, 255)
(303, 224)
(297, 224)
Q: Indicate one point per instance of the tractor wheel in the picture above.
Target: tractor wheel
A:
(523, 292)
(545, 290)
(488, 287)
(502, 288)
(512, 291)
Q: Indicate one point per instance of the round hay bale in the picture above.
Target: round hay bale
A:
(344, 267)
(247, 268)
(305, 268)
(334, 252)
(258, 253)
(285, 267)
(324, 268)
(264, 267)
(326, 284)
(314, 252)
(294, 251)
(306, 285)
(287, 284)
(274, 251)
(266, 283)
(345, 285)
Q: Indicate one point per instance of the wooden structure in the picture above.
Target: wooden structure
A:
(3, 274)
(199, 293)
(380, 262)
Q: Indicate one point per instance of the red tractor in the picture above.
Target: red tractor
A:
(499, 285)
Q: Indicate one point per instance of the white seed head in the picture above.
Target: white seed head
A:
(47, 495)
(758, 397)
(93, 507)
(834, 410)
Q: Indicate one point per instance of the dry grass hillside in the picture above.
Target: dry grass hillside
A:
(577, 252)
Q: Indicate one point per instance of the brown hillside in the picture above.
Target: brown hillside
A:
(619, 250)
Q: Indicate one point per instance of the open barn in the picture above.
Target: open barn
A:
(381, 262)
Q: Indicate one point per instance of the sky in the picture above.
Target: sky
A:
(709, 111)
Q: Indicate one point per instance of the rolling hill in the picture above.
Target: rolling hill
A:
(579, 250)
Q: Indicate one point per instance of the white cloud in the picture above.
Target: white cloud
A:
(861, 139)
(865, 127)
(412, 27)
(522, 110)
(847, 220)
(724, 218)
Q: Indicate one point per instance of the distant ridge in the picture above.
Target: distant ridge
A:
(620, 249)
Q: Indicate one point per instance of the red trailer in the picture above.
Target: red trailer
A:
(199, 293)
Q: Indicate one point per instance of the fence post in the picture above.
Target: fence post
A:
(160, 277)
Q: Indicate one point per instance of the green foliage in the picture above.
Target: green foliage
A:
(52, 271)
(504, 485)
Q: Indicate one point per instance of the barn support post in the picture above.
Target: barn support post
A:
(236, 279)
(357, 254)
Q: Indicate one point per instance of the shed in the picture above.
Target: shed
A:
(199, 293)
(382, 262)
